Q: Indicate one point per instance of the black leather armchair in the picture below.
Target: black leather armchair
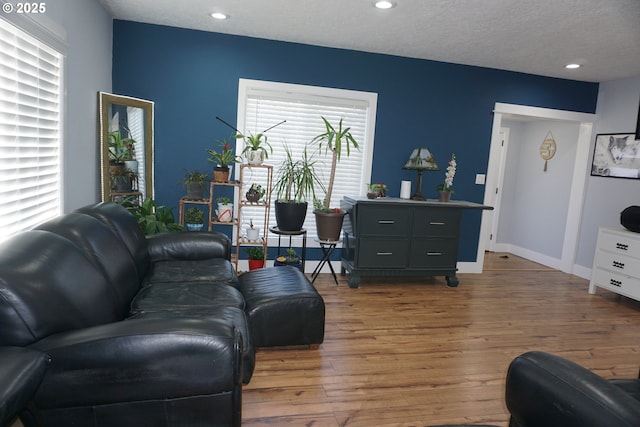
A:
(546, 390)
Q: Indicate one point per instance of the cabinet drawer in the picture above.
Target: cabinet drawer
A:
(382, 253)
(437, 222)
(384, 221)
(434, 253)
(618, 283)
(620, 243)
(618, 263)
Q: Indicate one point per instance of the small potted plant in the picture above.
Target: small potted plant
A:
(445, 190)
(334, 139)
(120, 150)
(225, 209)
(376, 190)
(122, 180)
(196, 184)
(256, 148)
(291, 258)
(253, 233)
(255, 193)
(223, 159)
(256, 257)
(194, 219)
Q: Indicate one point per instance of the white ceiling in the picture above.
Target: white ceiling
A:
(530, 36)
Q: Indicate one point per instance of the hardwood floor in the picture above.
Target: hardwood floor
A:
(416, 353)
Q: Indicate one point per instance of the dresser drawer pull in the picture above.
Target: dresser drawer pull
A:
(618, 264)
(614, 282)
(622, 246)
(434, 253)
(386, 221)
(436, 223)
(384, 253)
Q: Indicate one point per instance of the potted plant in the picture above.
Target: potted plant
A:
(445, 190)
(195, 183)
(194, 219)
(294, 184)
(256, 147)
(291, 258)
(329, 220)
(256, 257)
(222, 159)
(225, 209)
(120, 149)
(255, 193)
(122, 180)
(152, 218)
(253, 233)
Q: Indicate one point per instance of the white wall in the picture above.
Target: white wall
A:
(87, 70)
(534, 206)
(617, 112)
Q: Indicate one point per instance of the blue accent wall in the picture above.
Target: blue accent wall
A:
(193, 77)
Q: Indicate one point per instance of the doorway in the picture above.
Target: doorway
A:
(496, 176)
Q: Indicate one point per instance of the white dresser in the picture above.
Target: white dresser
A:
(616, 265)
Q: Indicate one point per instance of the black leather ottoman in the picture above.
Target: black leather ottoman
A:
(283, 307)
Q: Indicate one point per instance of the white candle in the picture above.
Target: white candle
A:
(405, 189)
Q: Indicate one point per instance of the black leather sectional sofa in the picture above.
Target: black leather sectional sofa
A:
(137, 330)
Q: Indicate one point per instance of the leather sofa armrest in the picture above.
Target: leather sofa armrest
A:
(140, 359)
(547, 390)
(21, 371)
(188, 245)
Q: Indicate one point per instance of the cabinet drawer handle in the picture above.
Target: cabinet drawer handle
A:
(434, 253)
(614, 282)
(384, 253)
(618, 264)
(622, 246)
(436, 223)
(386, 221)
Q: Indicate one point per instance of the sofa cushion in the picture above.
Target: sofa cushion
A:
(125, 226)
(172, 296)
(218, 271)
(104, 249)
(231, 316)
(48, 285)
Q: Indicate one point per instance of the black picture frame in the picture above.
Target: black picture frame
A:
(616, 155)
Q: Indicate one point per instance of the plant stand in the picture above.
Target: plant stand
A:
(303, 233)
(328, 247)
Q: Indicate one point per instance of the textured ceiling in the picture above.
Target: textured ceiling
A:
(529, 36)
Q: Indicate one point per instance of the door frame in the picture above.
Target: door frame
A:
(578, 182)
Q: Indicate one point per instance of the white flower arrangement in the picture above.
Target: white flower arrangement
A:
(451, 172)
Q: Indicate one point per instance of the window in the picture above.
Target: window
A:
(262, 105)
(30, 130)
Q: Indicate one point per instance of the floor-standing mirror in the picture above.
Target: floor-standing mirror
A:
(126, 148)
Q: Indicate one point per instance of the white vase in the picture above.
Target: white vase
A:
(253, 234)
(225, 212)
(132, 165)
(255, 157)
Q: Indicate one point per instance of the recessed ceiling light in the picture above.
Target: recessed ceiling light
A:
(572, 66)
(384, 4)
(219, 15)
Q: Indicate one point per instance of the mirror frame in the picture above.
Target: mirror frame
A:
(105, 101)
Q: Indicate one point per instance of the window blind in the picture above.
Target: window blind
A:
(302, 107)
(30, 94)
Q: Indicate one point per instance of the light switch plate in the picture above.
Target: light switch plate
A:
(480, 177)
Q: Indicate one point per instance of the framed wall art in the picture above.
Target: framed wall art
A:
(616, 155)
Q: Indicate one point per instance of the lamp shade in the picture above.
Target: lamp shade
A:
(421, 159)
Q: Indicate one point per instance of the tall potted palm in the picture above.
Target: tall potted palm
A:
(295, 184)
(334, 139)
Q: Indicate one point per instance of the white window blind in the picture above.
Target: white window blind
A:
(262, 105)
(30, 110)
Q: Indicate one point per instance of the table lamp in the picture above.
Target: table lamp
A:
(421, 159)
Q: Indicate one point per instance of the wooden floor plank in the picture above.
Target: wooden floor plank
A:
(413, 352)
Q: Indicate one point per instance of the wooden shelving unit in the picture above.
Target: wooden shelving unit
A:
(250, 174)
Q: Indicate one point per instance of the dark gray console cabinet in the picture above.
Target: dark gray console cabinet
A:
(398, 237)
